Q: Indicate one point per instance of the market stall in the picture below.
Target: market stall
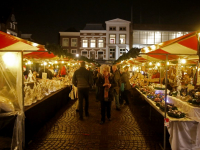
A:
(166, 75)
(32, 98)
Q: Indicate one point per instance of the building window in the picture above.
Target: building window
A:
(84, 53)
(122, 28)
(100, 55)
(112, 53)
(157, 37)
(93, 43)
(74, 42)
(165, 36)
(100, 43)
(122, 38)
(122, 51)
(73, 51)
(85, 43)
(112, 28)
(65, 42)
(112, 38)
(150, 37)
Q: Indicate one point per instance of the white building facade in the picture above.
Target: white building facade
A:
(97, 43)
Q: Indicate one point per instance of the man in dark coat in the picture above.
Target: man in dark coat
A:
(116, 77)
(127, 85)
(82, 79)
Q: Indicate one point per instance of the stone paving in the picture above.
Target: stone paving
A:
(129, 129)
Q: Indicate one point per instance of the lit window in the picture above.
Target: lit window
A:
(112, 39)
(122, 39)
(84, 53)
(165, 36)
(93, 43)
(65, 42)
(73, 51)
(150, 37)
(112, 28)
(100, 43)
(112, 53)
(85, 43)
(122, 51)
(74, 42)
(157, 37)
(172, 35)
(122, 28)
(179, 34)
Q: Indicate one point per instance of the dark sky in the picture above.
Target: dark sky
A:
(45, 18)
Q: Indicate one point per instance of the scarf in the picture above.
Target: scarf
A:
(106, 89)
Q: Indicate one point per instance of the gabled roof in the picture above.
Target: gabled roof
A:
(93, 26)
(117, 20)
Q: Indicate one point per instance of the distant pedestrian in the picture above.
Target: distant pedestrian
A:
(105, 83)
(82, 79)
(127, 85)
(116, 76)
(63, 71)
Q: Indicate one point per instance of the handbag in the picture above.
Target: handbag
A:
(122, 87)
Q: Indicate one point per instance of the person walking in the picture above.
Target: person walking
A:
(82, 79)
(105, 83)
(116, 77)
(127, 85)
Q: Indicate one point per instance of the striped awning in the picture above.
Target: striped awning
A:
(183, 47)
(9, 42)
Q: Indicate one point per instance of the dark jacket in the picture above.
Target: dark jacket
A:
(117, 78)
(82, 78)
(125, 80)
(100, 82)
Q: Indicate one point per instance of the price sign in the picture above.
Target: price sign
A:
(166, 122)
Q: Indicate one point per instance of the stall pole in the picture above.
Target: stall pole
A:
(165, 99)
(23, 121)
(160, 74)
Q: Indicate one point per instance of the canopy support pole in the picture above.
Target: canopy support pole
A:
(165, 128)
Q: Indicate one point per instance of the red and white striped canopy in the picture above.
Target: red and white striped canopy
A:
(9, 42)
(187, 44)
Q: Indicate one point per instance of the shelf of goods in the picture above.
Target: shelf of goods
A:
(184, 132)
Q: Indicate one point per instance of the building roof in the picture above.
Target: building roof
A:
(93, 26)
(163, 27)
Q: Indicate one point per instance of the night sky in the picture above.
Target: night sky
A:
(44, 19)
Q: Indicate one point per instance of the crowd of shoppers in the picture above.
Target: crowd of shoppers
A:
(109, 87)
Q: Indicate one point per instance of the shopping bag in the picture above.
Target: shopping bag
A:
(122, 87)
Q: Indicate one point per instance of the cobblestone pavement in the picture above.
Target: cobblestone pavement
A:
(129, 129)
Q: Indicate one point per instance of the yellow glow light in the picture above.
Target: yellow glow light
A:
(158, 64)
(153, 47)
(167, 63)
(150, 63)
(45, 63)
(25, 63)
(62, 62)
(29, 62)
(183, 61)
(35, 44)
(56, 62)
(68, 64)
(9, 59)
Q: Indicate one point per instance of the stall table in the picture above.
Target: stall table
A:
(184, 132)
